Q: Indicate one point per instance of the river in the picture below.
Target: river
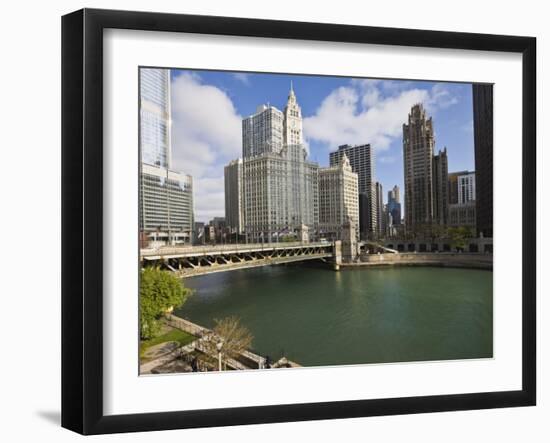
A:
(317, 316)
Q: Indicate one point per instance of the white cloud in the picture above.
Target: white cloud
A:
(441, 97)
(371, 111)
(206, 127)
(355, 115)
(206, 135)
(242, 77)
(209, 197)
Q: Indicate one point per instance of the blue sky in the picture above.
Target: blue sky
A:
(207, 108)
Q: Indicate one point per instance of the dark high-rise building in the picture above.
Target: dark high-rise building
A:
(380, 221)
(440, 187)
(418, 147)
(394, 205)
(363, 217)
(233, 185)
(483, 142)
(361, 159)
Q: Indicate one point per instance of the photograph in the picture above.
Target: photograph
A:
(252, 222)
(293, 220)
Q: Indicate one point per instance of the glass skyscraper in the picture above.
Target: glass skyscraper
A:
(166, 196)
(155, 116)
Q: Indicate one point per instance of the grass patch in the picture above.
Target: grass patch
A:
(182, 337)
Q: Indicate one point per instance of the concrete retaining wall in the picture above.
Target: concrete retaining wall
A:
(459, 260)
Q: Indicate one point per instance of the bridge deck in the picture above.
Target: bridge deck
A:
(194, 251)
(188, 261)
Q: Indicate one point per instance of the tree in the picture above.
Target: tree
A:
(437, 232)
(233, 337)
(159, 292)
(459, 236)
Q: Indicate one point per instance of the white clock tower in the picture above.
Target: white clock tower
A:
(293, 120)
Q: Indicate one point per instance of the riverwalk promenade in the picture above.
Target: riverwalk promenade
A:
(179, 357)
(444, 259)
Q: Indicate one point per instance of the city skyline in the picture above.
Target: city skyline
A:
(208, 108)
(306, 186)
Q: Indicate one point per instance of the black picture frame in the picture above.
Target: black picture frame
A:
(82, 218)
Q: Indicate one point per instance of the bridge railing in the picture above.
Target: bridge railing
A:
(238, 247)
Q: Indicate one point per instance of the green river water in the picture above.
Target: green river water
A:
(317, 316)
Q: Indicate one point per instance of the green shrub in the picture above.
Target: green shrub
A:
(159, 292)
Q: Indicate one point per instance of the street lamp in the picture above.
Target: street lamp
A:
(219, 346)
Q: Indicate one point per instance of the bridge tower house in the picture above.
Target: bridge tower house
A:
(349, 241)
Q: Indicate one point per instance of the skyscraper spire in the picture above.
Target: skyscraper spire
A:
(293, 120)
